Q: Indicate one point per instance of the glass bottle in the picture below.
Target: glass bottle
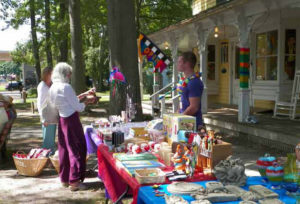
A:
(290, 169)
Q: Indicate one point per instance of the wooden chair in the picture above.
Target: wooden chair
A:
(290, 108)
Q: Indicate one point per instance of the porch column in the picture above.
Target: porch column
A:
(244, 25)
(174, 48)
(155, 99)
(202, 40)
(141, 78)
(244, 99)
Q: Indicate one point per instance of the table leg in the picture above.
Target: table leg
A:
(121, 196)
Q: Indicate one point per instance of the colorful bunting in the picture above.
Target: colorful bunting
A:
(153, 53)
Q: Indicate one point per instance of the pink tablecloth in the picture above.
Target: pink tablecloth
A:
(116, 179)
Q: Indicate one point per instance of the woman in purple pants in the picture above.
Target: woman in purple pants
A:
(71, 141)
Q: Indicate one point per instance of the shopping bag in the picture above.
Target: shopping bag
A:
(49, 113)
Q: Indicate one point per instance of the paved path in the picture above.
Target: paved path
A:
(15, 94)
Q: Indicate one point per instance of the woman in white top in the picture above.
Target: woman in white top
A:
(49, 129)
(71, 141)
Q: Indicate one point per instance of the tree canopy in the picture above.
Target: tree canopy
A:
(54, 42)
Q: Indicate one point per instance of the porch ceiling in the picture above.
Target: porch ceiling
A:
(219, 16)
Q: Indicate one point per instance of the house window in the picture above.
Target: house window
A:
(224, 52)
(211, 62)
(290, 54)
(237, 62)
(266, 55)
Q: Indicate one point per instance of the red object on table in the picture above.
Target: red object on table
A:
(116, 179)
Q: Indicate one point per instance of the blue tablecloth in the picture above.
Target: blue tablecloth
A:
(146, 194)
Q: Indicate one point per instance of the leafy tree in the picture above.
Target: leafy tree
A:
(10, 68)
(35, 45)
(95, 41)
(23, 53)
(123, 53)
(48, 33)
(78, 76)
(153, 15)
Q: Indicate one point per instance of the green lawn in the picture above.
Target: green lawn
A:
(28, 101)
(2, 88)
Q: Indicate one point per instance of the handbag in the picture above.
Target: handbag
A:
(49, 113)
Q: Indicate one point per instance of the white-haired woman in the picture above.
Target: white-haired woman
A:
(71, 142)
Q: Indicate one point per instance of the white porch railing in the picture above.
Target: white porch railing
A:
(156, 98)
(163, 103)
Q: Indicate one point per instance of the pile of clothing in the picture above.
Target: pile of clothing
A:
(7, 116)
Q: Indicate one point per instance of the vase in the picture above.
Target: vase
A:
(263, 163)
(290, 177)
(274, 174)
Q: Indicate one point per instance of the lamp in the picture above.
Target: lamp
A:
(216, 29)
(216, 32)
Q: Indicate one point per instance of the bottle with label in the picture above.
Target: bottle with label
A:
(290, 169)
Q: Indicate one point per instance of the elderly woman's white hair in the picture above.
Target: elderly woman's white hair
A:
(61, 72)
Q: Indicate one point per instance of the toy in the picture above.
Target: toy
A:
(177, 159)
(189, 161)
(184, 159)
(151, 145)
(275, 174)
(115, 78)
(263, 163)
(145, 147)
(136, 149)
(156, 147)
(129, 147)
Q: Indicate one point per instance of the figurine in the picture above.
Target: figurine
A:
(197, 140)
(151, 145)
(145, 147)
(156, 148)
(136, 149)
(177, 159)
(129, 147)
(189, 161)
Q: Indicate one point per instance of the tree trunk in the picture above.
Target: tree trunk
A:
(63, 45)
(35, 45)
(123, 53)
(48, 36)
(78, 75)
(138, 4)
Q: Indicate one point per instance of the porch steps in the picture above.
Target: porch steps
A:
(281, 134)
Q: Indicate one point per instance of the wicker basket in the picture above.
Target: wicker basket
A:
(30, 167)
(142, 176)
(55, 163)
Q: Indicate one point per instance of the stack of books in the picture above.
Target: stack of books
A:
(131, 162)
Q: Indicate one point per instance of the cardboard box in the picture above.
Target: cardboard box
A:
(174, 122)
(219, 152)
(139, 133)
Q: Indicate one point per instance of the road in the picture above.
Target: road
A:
(15, 94)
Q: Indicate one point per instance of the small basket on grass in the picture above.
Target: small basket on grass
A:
(154, 175)
(30, 167)
(55, 162)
